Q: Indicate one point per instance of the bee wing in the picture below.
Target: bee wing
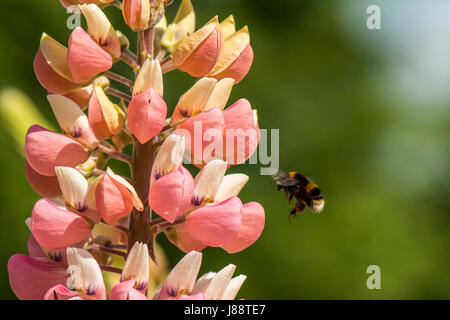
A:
(284, 179)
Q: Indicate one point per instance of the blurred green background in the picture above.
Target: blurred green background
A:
(363, 112)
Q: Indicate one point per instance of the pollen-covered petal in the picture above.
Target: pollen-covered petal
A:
(137, 266)
(182, 278)
(55, 227)
(72, 120)
(149, 76)
(100, 29)
(170, 195)
(146, 115)
(198, 53)
(217, 224)
(85, 57)
(30, 278)
(208, 181)
(169, 157)
(74, 187)
(233, 287)
(46, 186)
(45, 149)
(104, 117)
(253, 220)
(85, 274)
(231, 186)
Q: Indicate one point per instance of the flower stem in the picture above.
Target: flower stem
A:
(114, 153)
(119, 78)
(130, 58)
(167, 67)
(111, 269)
(118, 94)
(109, 250)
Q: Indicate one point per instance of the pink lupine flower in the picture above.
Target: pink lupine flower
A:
(30, 278)
(85, 57)
(104, 117)
(72, 120)
(51, 67)
(217, 224)
(137, 267)
(241, 134)
(146, 115)
(149, 76)
(85, 281)
(56, 227)
(100, 29)
(236, 57)
(207, 126)
(198, 53)
(178, 236)
(45, 149)
(46, 186)
(253, 219)
(171, 184)
(81, 96)
(115, 197)
(126, 291)
(183, 25)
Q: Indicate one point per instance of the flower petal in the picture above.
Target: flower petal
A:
(55, 227)
(169, 157)
(137, 266)
(45, 149)
(207, 182)
(170, 196)
(46, 186)
(217, 224)
(253, 220)
(149, 76)
(233, 287)
(231, 185)
(74, 187)
(216, 287)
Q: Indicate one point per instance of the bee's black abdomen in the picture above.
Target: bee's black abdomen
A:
(316, 194)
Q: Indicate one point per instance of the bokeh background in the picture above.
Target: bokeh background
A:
(363, 112)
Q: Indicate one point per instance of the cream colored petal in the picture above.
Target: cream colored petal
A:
(110, 111)
(137, 265)
(233, 287)
(56, 56)
(220, 94)
(73, 186)
(231, 186)
(196, 98)
(228, 26)
(183, 275)
(208, 180)
(149, 76)
(68, 114)
(232, 49)
(86, 275)
(182, 26)
(218, 284)
(169, 157)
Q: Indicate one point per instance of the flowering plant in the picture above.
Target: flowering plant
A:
(93, 223)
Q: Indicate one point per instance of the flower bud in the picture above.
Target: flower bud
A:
(74, 187)
(100, 29)
(72, 120)
(140, 15)
(115, 197)
(231, 185)
(86, 276)
(182, 26)
(149, 76)
(206, 93)
(170, 195)
(236, 58)
(104, 117)
(44, 185)
(137, 266)
(55, 227)
(146, 115)
(207, 182)
(198, 53)
(217, 224)
(182, 278)
(45, 149)
(85, 57)
(253, 219)
(51, 67)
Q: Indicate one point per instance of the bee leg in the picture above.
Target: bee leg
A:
(293, 213)
(290, 200)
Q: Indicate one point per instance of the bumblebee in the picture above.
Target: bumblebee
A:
(305, 192)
